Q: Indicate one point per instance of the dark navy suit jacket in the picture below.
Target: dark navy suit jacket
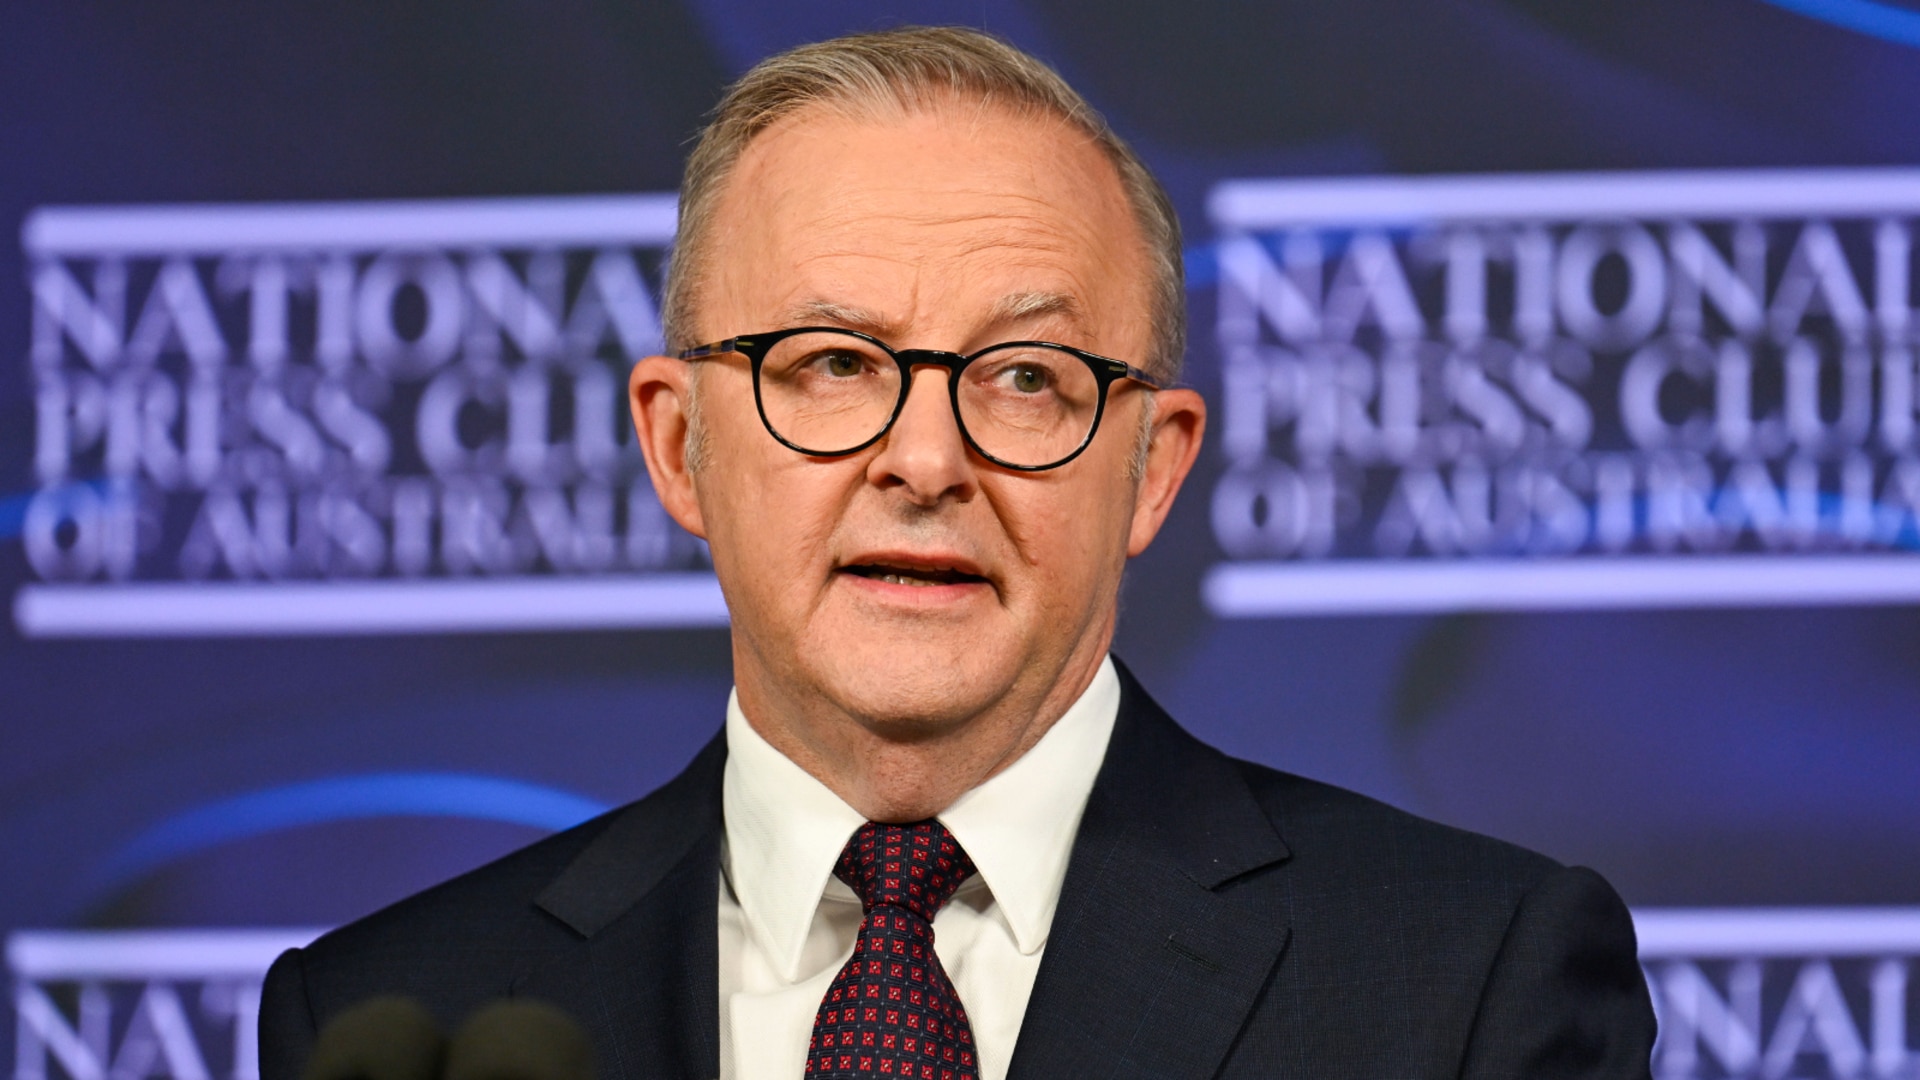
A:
(1218, 919)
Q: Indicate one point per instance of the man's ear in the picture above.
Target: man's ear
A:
(658, 393)
(1179, 421)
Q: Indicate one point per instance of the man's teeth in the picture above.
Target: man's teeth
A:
(919, 578)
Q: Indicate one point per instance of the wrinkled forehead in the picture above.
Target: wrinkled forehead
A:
(883, 207)
(892, 134)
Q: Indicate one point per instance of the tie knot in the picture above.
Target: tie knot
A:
(916, 866)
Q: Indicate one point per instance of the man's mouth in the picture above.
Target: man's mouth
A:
(917, 576)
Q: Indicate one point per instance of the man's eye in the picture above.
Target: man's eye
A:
(841, 364)
(1028, 379)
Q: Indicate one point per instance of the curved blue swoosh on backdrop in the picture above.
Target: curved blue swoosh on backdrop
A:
(343, 798)
(13, 514)
(1884, 21)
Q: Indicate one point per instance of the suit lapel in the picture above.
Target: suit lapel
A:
(1167, 930)
(1165, 934)
(643, 898)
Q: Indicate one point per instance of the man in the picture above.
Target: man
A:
(942, 834)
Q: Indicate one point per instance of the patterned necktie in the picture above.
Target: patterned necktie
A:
(892, 1011)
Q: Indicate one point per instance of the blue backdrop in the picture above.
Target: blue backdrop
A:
(1754, 745)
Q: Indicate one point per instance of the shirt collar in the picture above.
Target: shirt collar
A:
(1019, 826)
(785, 829)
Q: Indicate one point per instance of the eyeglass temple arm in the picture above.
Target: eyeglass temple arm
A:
(1139, 375)
(717, 348)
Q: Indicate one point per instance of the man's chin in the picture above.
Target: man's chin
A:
(921, 699)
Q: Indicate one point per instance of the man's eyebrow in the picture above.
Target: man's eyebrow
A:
(1016, 307)
(818, 312)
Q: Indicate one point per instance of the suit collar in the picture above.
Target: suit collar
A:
(1171, 919)
(1019, 825)
(643, 897)
(1177, 799)
(1169, 923)
(638, 847)
(1182, 799)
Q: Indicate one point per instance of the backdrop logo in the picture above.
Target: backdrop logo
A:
(1575, 390)
(1774, 993)
(347, 417)
(95, 1005)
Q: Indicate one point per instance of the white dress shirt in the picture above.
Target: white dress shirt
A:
(787, 924)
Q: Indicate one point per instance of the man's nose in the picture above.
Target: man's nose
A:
(924, 453)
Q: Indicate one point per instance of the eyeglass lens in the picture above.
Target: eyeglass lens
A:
(1023, 405)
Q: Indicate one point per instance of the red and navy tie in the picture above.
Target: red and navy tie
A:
(892, 1011)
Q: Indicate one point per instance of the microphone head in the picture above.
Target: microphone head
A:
(520, 1040)
(382, 1038)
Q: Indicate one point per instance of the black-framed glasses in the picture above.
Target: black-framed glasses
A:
(826, 391)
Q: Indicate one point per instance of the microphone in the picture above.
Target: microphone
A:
(382, 1038)
(520, 1040)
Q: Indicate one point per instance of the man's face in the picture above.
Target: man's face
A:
(913, 585)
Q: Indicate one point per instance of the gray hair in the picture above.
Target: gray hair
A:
(911, 69)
